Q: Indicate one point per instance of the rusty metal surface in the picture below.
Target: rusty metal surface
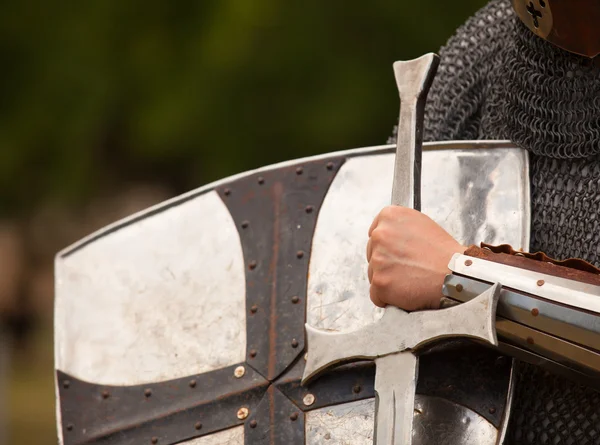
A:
(168, 412)
(276, 213)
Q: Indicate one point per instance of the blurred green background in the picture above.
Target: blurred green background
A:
(107, 107)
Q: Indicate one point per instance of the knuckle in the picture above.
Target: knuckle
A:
(388, 212)
(380, 280)
(379, 236)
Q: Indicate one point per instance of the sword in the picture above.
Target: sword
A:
(392, 340)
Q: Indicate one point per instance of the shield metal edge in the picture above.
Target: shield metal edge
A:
(111, 386)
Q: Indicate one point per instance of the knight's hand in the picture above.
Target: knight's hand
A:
(408, 255)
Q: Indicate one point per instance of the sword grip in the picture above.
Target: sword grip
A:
(414, 79)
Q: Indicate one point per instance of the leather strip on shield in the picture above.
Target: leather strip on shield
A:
(276, 213)
(276, 421)
(158, 413)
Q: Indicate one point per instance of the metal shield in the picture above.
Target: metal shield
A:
(185, 323)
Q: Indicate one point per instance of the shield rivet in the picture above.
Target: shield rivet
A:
(148, 392)
(459, 288)
(227, 192)
(198, 426)
(105, 394)
(294, 343)
(192, 383)
(535, 312)
(66, 384)
(239, 372)
(252, 265)
(242, 413)
(492, 410)
(468, 262)
(357, 389)
(253, 423)
(299, 170)
(300, 254)
(155, 439)
(295, 299)
(245, 224)
(70, 427)
(261, 180)
(330, 166)
(308, 399)
(253, 353)
(254, 309)
(294, 416)
(309, 209)
(541, 283)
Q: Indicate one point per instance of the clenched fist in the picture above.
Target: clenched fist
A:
(408, 255)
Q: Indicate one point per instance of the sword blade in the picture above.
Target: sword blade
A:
(395, 386)
(413, 78)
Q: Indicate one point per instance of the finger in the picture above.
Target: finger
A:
(370, 273)
(374, 224)
(369, 250)
(375, 299)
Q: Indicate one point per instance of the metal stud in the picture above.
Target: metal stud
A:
(192, 383)
(155, 439)
(239, 372)
(309, 209)
(530, 340)
(198, 426)
(148, 392)
(468, 262)
(254, 309)
(300, 254)
(535, 312)
(242, 413)
(252, 265)
(245, 224)
(261, 180)
(357, 389)
(294, 417)
(459, 288)
(330, 166)
(105, 394)
(227, 192)
(492, 410)
(541, 283)
(66, 384)
(253, 353)
(294, 343)
(70, 427)
(308, 399)
(253, 424)
(299, 170)
(295, 299)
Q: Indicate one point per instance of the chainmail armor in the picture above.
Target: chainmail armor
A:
(497, 80)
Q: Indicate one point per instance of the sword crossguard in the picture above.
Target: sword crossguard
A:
(399, 331)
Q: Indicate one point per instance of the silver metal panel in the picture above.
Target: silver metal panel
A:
(346, 424)
(476, 195)
(437, 421)
(233, 436)
(158, 299)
